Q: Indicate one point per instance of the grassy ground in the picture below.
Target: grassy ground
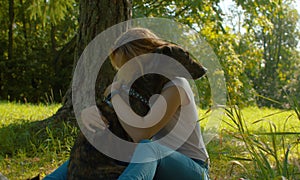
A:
(252, 143)
(29, 147)
(257, 143)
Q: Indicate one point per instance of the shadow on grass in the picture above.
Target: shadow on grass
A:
(28, 149)
(49, 135)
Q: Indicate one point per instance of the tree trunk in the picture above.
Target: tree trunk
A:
(24, 26)
(10, 30)
(95, 17)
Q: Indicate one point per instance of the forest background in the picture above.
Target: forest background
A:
(256, 42)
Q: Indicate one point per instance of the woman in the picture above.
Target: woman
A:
(156, 157)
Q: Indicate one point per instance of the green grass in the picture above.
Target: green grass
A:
(29, 146)
(252, 143)
(257, 143)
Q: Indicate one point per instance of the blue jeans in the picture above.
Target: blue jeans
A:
(155, 165)
(160, 162)
(60, 173)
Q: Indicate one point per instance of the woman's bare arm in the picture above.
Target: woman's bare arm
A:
(159, 115)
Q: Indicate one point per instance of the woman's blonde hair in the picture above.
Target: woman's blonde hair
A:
(139, 41)
(134, 42)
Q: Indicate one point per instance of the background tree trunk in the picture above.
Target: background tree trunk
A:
(95, 17)
(10, 29)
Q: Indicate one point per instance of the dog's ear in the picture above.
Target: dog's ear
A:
(195, 69)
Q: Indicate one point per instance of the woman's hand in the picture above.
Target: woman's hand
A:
(116, 85)
(93, 119)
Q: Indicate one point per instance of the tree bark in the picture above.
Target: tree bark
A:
(95, 16)
(24, 25)
(10, 30)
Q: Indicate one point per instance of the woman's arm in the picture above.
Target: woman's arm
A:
(159, 115)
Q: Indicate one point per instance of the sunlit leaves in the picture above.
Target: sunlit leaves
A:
(206, 18)
(50, 10)
(268, 44)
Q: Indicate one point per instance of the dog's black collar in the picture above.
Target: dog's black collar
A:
(129, 91)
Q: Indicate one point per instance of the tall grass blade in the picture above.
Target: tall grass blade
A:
(285, 169)
(266, 164)
(295, 105)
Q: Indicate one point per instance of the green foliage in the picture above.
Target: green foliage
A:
(269, 47)
(42, 56)
(257, 55)
(50, 11)
(258, 51)
(205, 18)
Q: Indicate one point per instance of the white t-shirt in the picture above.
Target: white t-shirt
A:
(187, 138)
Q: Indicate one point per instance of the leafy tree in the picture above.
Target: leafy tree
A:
(270, 47)
(38, 55)
(206, 18)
